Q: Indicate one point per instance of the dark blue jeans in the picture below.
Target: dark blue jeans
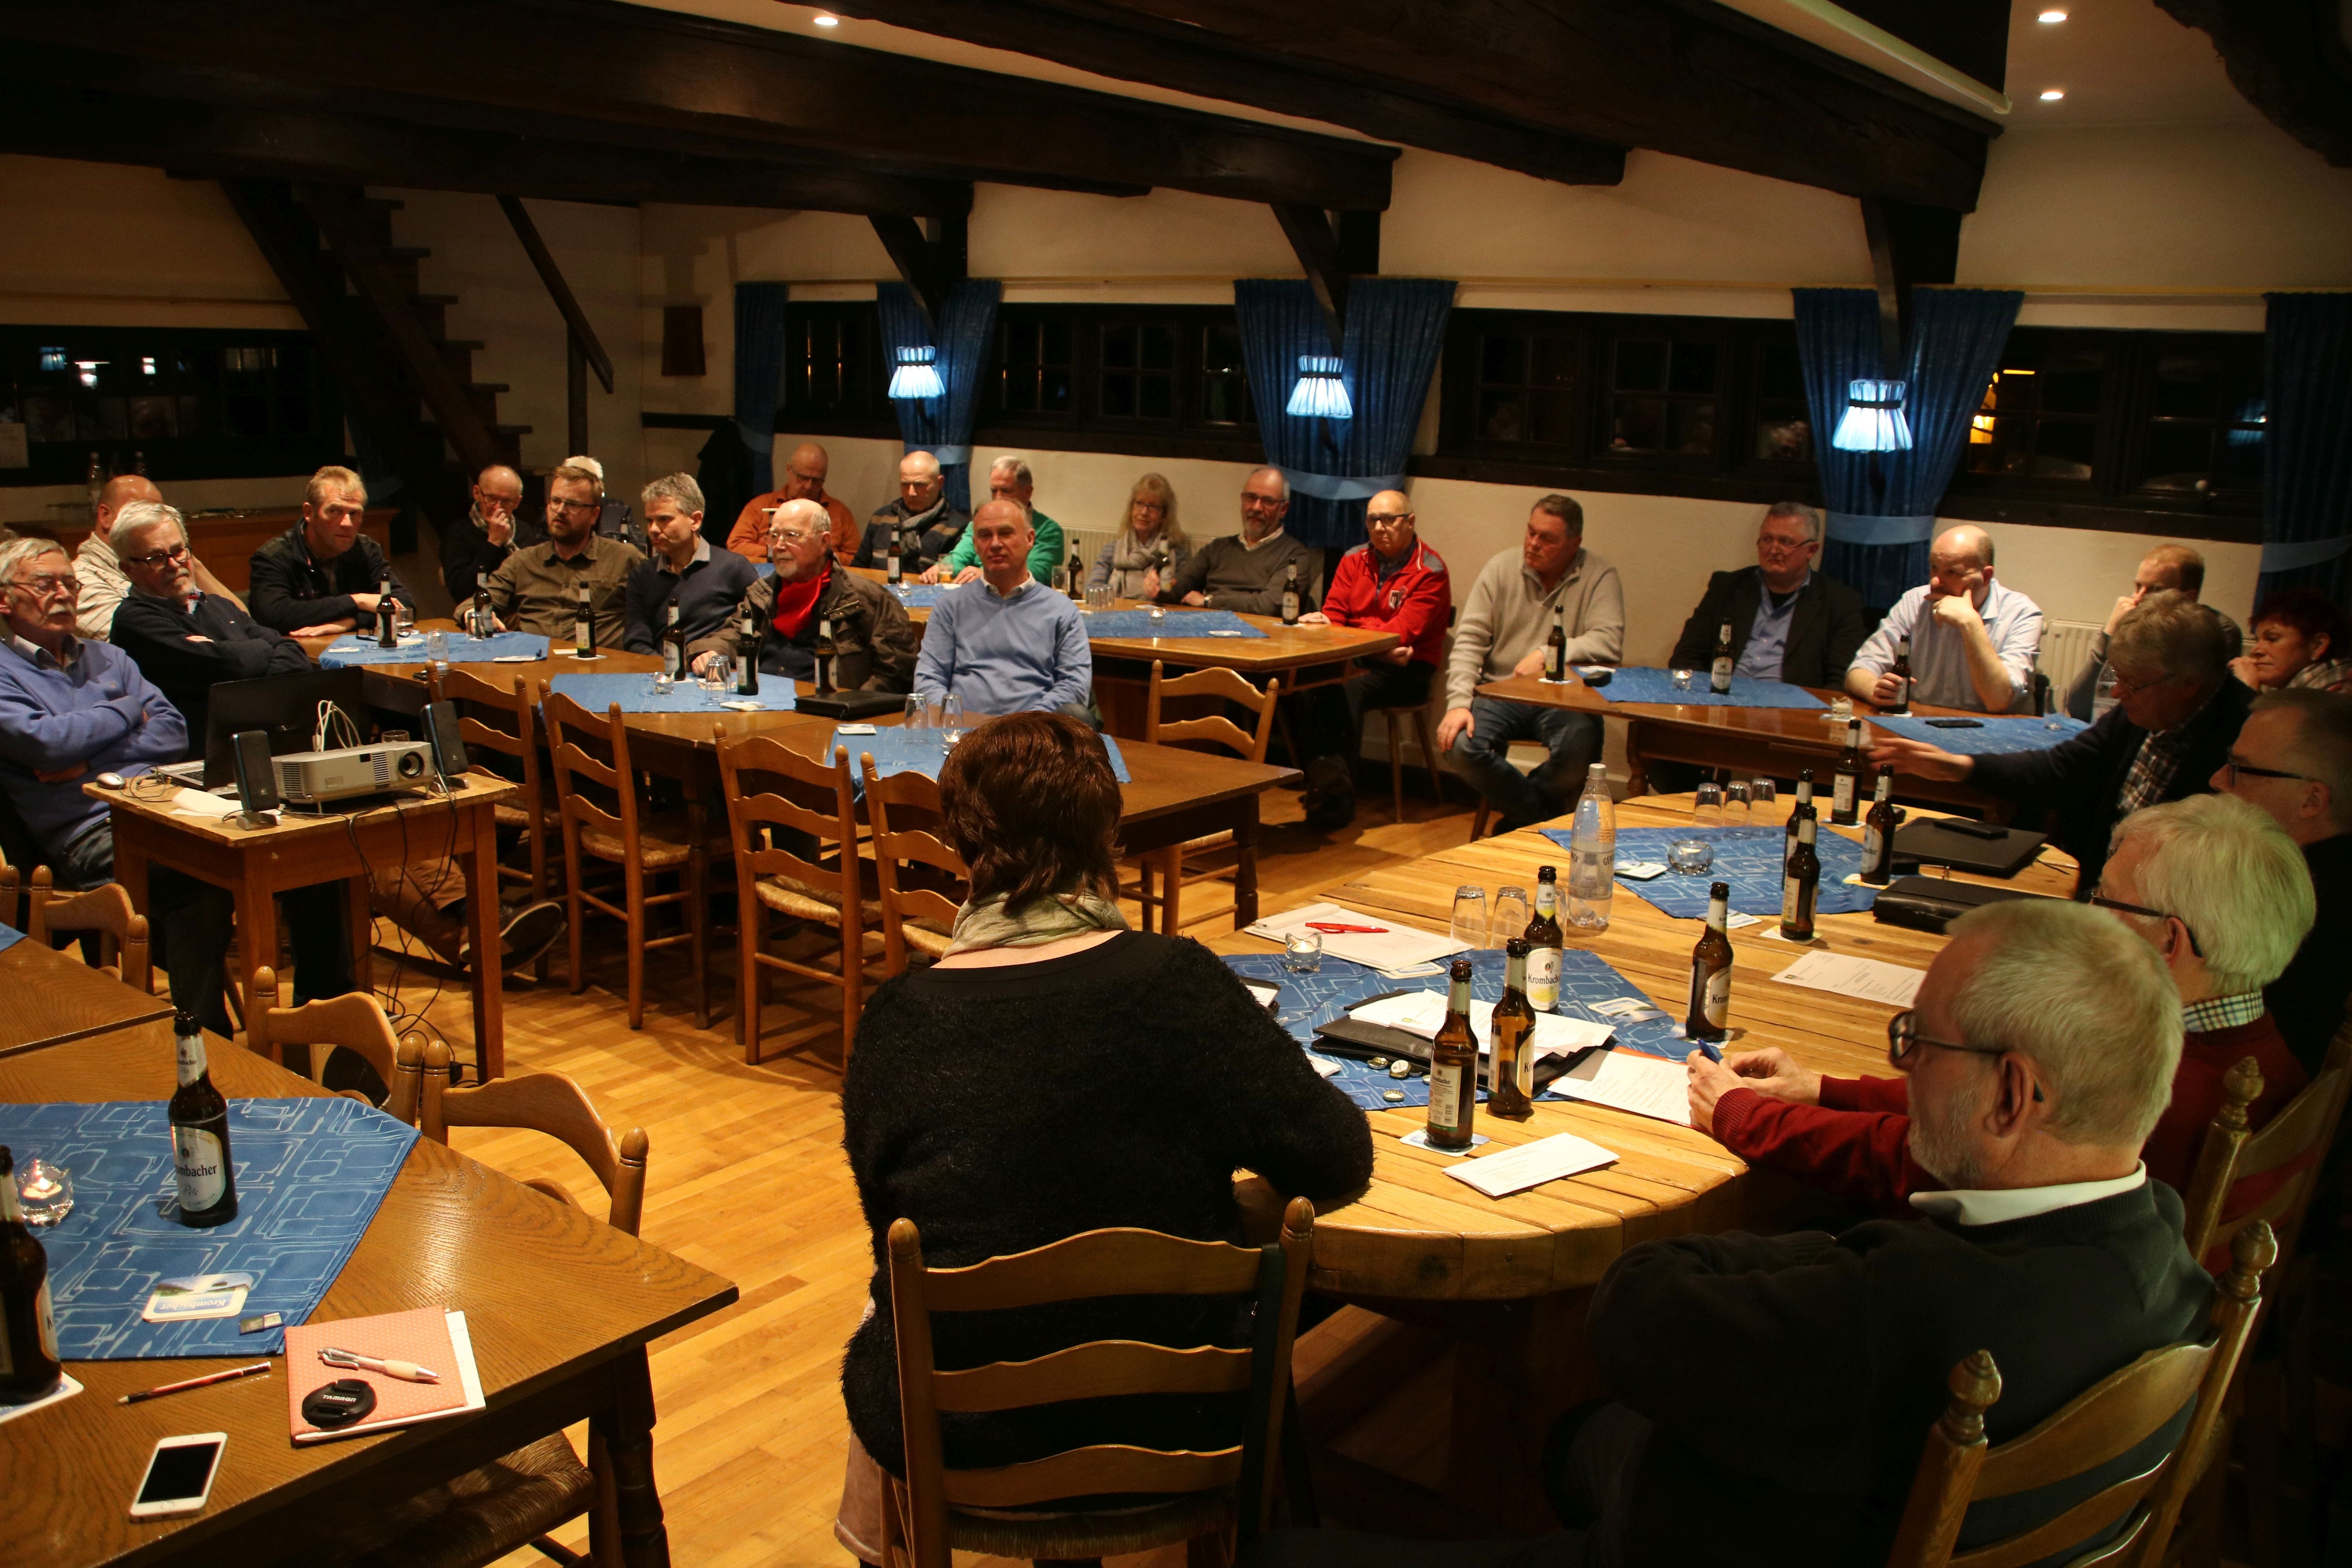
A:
(1482, 756)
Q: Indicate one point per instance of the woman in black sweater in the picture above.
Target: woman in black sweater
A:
(1058, 1073)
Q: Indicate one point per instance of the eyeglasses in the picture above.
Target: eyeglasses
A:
(577, 507)
(2124, 683)
(157, 558)
(2235, 767)
(1780, 546)
(1903, 1038)
(1386, 518)
(791, 536)
(42, 586)
(1251, 499)
(2100, 901)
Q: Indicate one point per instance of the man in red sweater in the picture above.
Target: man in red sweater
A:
(1395, 583)
(2214, 884)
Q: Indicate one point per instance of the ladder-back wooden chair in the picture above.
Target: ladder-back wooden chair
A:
(774, 813)
(11, 892)
(2115, 1416)
(1225, 1492)
(504, 721)
(353, 1022)
(106, 911)
(921, 878)
(1162, 876)
(600, 799)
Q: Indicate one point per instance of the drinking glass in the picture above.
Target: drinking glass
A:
(1707, 813)
(437, 652)
(1511, 914)
(1098, 596)
(404, 618)
(1681, 679)
(1690, 857)
(718, 675)
(918, 713)
(664, 682)
(1469, 927)
(46, 1191)
(1763, 792)
(951, 718)
(1302, 952)
(1159, 613)
(1841, 709)
(1737, 807)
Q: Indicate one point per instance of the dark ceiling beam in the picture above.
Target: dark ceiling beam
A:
(1685, 77)
(2287, 60)
(1188, 60)
(931, 264)
(630, 65)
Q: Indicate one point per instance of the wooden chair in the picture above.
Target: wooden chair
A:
(506, 722)
(514, 1501)
(11, 892)
(916, 908)
(1417, 715)
(590, 752)
(1525, 756)
(105, 909)
(353, 1022)
(768, 876)
(2115, 1415)
(1214, 857)
(1225, 1493)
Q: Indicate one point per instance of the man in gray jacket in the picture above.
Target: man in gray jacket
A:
(1245, 572)
(1502, 633)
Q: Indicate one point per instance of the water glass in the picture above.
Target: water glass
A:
(404, 618)
(1737, 807)
(1690, 857)
(918, 713)
(1763, 792)
(1302, 952)
(1098, 596)
(437, 653)
(46, 1191)
(1469, 926)
(951, 718)
(718, 675)
(1682, 679)
(1511, 915)
(1707, 812)
(664, 682)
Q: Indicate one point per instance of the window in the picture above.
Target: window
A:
(1224, 382)
(1782, 425)
(1528, 385)
(1109, 377)
(1037, 365)
(1662, 395)
(834, 380)
(1138, 370)
(2042, 412)
(186, 403)
(2204, 426)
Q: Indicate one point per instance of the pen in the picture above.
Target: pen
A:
(1336, 930)
(407, 1371)
(235, 1372)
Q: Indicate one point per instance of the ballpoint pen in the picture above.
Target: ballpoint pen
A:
(250, 1370)
(407, 1371)
(1336, 929)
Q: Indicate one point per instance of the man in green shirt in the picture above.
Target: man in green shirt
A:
(1008, 480)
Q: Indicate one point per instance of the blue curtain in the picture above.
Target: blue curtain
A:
(759, 376)
(1394, 330)
(963, 335)
(1882, 505)
(2307, 460)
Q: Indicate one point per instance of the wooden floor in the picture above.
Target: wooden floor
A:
(746, 1178)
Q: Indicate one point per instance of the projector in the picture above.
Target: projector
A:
(314, 778)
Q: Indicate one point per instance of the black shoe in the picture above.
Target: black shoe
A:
(1332, 813)
(528, 932)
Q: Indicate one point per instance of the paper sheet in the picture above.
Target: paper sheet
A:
(1422, 1013)
(1396, 946)
(1515, 1170)
(1628, 1081)
(201, 802)
(1867, 978)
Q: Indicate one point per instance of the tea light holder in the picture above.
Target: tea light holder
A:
(45, 1190)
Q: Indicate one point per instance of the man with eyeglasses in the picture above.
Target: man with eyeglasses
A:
(1973, 640)
(324, 575)
(493, 526)
(2176, 712)
(1244, 572)
(1790, 620)
(183, 639)
(1395, 583)
(805, 477)
(683, 569)
(538, 588)
(1009, 479)
(874, 641)
(2293, 760)
(918, 527)
(103, 585)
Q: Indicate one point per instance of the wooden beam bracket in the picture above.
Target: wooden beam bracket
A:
(931, 263)
(1316, 242)
(1909, 245)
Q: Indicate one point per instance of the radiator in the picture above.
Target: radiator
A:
(2065, 650)
(1087, 541)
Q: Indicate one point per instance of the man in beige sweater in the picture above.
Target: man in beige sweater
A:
(1502, 633)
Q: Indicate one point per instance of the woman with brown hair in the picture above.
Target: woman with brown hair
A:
(1058, 1073)
(2298, 643)
(1150, 545)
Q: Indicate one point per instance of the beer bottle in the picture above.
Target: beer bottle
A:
(1556, 647)
(1290, 595)
(1720, 681)
(1710, 991)
(1544, 943)
(1511, 1052)
(199, 1118)
(894, 566)
(1878, 832)
(747, 657)
(584, 623)
(1901, 703)
(1800, 885)
(29, 1367)
(386, 612)
(673, 643)
(1804, 808)
(1077, 578)
(825, 656)
(482, 623)
(1846, 787)
(1453, 1067)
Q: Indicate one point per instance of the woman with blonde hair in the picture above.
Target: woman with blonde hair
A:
(1150, 545)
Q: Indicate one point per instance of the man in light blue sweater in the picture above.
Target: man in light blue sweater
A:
(1007, 644)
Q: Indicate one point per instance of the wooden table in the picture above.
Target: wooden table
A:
(561, 1307)
(55, 996)
(1768, 742)
(304, 850)
(1510, 1279)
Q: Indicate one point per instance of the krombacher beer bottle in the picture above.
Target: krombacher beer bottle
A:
(1511, 1052)
(199, 1118)
(1710, 989)
(1290, 595)
(1544, 943)
(1453, 1067)
(1800, 885)
(1902, 699)
(1797, 813)
(1878, 831)
(673, 643)
(1720, 679)
(29, 1367)
(1845, 788)
(1556, 647)
(894, 567)
(584, 624)
(386, 612)
(747, 657)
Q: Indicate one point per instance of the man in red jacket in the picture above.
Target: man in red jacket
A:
(2214, 884)
(1395, 583)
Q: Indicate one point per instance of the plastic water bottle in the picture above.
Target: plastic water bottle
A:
(1592, 853)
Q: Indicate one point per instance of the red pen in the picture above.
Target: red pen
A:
(1339, 930)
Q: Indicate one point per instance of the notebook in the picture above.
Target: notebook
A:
(428, 1336)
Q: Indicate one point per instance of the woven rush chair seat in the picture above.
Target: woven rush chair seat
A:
(663, 841)
(477, 1517)
(1109, 1534)
(926, 937)
(807, 901)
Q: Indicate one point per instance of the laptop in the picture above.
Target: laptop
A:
(287, 706)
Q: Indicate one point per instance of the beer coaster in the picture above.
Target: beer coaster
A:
(1418, 1138)
(1735, 920)
(1642, 871)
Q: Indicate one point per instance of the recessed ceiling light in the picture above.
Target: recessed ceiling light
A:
(2048, 16)
(2052, 94)
(823, 20)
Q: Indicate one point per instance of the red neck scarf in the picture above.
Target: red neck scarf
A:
(796, 603)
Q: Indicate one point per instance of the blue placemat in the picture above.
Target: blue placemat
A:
(897, 750)
(345, 652)
(1174, 624)
(636, 694)
(1311, 999)
(2001, 734)
(9, 937)
(1747, 858)
(1643, 685)
(918, 597)
(310, 1176)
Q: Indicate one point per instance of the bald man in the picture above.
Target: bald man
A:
(104, 584)
(1245, 572)
(472, 550)
(919, 527)
(804, 476)
(1973, 639)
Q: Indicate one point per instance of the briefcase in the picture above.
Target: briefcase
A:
(1985, 847)
(1932, 903)
(850, 704)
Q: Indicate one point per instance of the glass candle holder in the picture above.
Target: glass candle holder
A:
(1682, 679)
(1690, 857)
(46, 1191)
(1302, 952)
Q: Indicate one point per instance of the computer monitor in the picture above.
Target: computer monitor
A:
(287, 706)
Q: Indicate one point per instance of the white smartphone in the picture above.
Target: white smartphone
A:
(179, 1475)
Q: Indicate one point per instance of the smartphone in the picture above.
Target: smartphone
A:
(1955, 724)
(179, 1475)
